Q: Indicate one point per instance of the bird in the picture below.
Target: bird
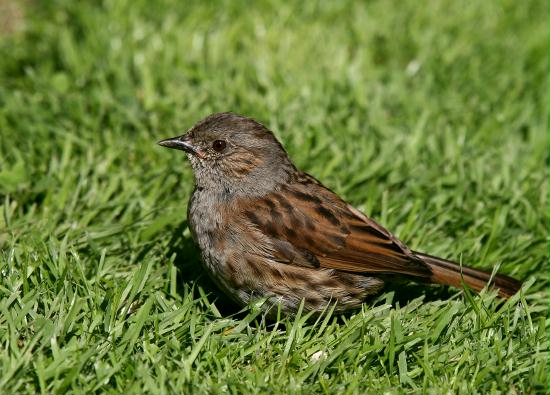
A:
(268, 231)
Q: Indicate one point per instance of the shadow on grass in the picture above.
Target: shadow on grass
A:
(405, 292)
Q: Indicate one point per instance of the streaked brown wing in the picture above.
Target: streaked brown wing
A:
(311, 226)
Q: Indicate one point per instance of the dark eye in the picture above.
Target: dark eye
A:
(219, 145)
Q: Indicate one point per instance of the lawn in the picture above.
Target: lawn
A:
(430, 117)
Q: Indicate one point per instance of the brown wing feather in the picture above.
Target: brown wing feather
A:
(311, 226)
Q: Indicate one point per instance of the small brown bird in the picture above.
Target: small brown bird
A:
(267, 230)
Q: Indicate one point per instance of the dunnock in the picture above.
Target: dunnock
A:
(267, 230)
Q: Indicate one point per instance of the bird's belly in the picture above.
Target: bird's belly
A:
(206, 225)
(213, 241)
(245, 274)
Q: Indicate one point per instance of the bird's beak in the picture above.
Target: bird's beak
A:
(182, 143)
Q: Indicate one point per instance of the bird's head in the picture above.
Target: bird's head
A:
(233, 152)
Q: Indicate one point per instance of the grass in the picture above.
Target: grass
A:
(431, 118)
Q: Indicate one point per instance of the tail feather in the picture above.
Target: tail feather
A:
(450, 273)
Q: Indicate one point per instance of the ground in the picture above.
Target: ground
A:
(430, 117)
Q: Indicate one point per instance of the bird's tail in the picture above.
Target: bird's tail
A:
(450, 273)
